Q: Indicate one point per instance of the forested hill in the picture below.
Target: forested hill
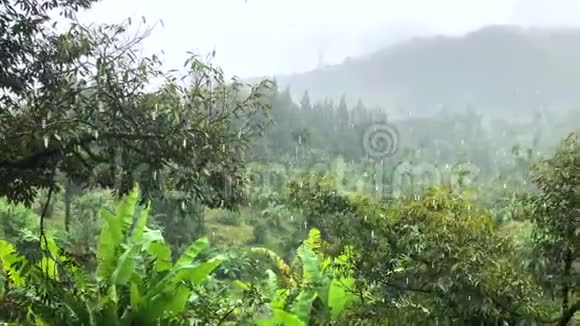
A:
(492, 69)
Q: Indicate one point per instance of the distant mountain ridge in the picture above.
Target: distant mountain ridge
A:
(496, 68)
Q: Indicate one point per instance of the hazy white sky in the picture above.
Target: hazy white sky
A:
(264, 37)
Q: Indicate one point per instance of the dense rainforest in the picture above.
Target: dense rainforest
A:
(211, 201)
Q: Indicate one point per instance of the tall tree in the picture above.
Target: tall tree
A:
(434, 258)
(78, 103)
(305, 104)
(556, 211)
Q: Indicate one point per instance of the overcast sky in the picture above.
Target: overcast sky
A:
(266, 37)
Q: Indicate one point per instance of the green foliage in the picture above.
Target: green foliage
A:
(135, 280)
(14, 219)
(556, 230)
(85, 225)
(77, 112)
(440, 253)
(81, 107)
(311, 290)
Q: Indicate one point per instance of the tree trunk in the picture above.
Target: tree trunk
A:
(566, 315)
(67, 204)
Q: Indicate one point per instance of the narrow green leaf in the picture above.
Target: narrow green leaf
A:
(139, 229)
(302, 304)
(192, 251)
(125, 267)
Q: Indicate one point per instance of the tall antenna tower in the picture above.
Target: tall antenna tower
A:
(320, 58)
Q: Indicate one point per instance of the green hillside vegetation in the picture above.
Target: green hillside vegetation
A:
(496, 69)
(209, 201)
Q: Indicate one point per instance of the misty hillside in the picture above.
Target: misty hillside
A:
(492, 69)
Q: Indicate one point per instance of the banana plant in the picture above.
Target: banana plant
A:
(311, 288)
(135, 282)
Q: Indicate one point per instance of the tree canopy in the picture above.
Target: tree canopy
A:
(80, 103)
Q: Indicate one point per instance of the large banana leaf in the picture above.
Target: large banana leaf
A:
(140, 226)
(192, 252)
(271, 283)
(135, 295)
(130, 258)
(113, 233)
(171, 294)
(125, 267)
(340, 296)
(154, 245)
(302, 304)
(311, 273)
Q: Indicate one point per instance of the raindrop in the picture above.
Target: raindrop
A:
(154, 115)
(183, 205)
(372, 234)
(366, 218)
(407, 281)
(291, 218)
(57, 137)
(155, 175)
(505, 186)
(96, 134)
(299, 140)
(101, 108)
(45, 141)
(462, 142)
(469, 298)
(305, 225)
(184, 142)
(43, 123)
